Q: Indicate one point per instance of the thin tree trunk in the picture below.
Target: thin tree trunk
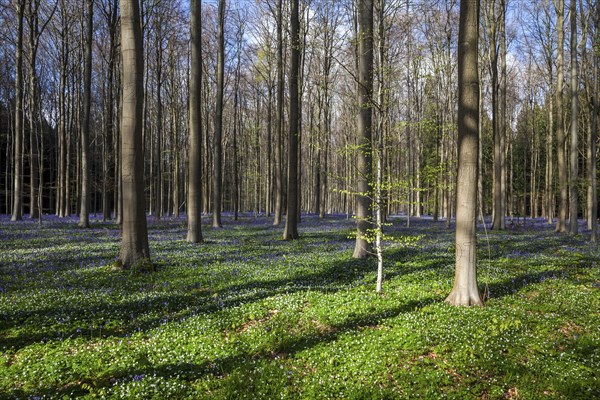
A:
(574, 180)
(550, 204)
(498, 214)
(158, 178)
(594, 134)
(561, 224)
(279, 123)
(217, 141)
(194, 199)
(379, 204)
(291, 222)
(84, 220)
(17, 209)
(502, 115)
(33, 20)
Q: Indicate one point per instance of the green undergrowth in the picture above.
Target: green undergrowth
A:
(246, 315)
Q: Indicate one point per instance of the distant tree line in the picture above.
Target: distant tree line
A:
(280, 108)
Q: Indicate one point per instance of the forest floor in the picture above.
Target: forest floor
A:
(246, 315)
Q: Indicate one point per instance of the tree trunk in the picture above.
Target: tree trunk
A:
(550, 204)
(498, 213)
(465, 291)
(84, 220)
(278, 211)
(194, 199)
(291, 222)
(502, 115)
(364, 213)
(561, 224)
(594, 134)
(574, 180)
(17, 209)
(217, 141)
(135, 251)
(33, 20)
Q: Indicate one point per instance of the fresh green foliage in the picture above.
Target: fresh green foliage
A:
(247, 315)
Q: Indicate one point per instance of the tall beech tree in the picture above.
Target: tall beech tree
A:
(595, 108)
(194, 194)
(465, 291)
(291, 222)
(217, 140)
(278, 209)
(135, 252)
(84, 214)
(17, 209)
(574, 153)
(561, 223)
(364, 167)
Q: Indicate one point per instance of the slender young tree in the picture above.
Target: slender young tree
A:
(465, 291)
(364, 167)
(17, 210)
(291, 222)
(84, 219)
(217, 141)
(574, 153)
(135, 251)
(194, 198)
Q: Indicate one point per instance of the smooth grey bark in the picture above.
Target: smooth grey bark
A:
(574, 179)
(495, 29)
(17, 210)
(217, 141)
(291, 223)
(135, 252)
(561, 223)
(194, 197)
(364, 196)
(84, 219)
(278, 210)
(491, 22)
(111, 14)
(594, 128)
(158, 152)
(378, 192)
(465, 291)
(33, 25)
(502, 115)
(550, 202)
(62, 109)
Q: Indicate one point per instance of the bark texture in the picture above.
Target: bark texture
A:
(561, 224)
(17, 210)
(291, 222)
(279, 123)
(194, 198)
(217, 142)
(84, 215)
(465, 291)
(364, 212)
(134, 252)
(574, 180)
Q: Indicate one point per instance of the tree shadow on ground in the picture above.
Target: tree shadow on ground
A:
(169, 306)
(222, 366)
